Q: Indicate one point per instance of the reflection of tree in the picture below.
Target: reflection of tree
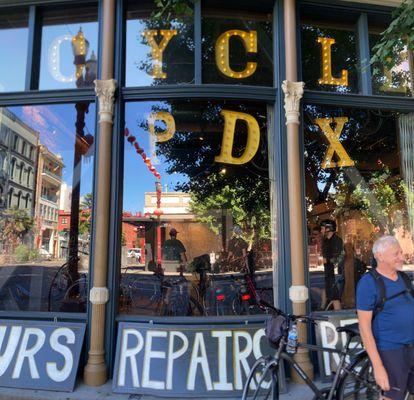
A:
(14, 225)
(85, 214)
(241, 189)
(374, 185)
(386, 190)
(343, 57)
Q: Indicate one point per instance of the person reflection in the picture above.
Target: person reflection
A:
(237, 250)
(332, 251)
(174, 250)
(351, 268)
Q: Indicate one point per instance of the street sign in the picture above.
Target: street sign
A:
(187, 360)
(39, 354)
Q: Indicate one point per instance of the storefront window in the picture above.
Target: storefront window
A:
(359, 186)
(69, 48)
(14, 33)
(329, 55)
(397, 81)
(196, 221)
(159, 51)
(46, 167)
(237, 44)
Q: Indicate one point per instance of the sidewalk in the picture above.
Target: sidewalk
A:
(83, 392)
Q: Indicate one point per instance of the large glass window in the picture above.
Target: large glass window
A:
(44, 263)
(69, 47)
(197, 201)
(396, 81)
(359, 186)
(158, 50)
(237, 44)
(14, 33)
(329, 50)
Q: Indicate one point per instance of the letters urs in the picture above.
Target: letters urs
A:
(230, 119)
(39, 355)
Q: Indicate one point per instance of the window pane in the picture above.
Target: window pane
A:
(329, 56)
(397, 81)
(199, 219)
(158, 51)
(359, 186)
(69, 48)
(14, 33)
(237, 45)
(39, 189)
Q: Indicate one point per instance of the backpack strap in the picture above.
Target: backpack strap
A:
(407, 282)
(379, 283)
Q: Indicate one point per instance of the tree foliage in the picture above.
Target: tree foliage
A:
(14, 225)
(397, 38)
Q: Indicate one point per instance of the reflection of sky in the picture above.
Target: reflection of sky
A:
(56, 126)
(13, 45)
(137, 178)
(135, 51)
(67, 68)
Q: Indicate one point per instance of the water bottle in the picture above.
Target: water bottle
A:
(292, 342)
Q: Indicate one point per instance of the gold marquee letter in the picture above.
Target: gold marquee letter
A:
(253, 138)
(168, 120)
(158, 49)
(335, 145)
(249, 40)
(327, 78)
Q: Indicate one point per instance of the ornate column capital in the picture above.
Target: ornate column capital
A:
(293, 93)
(105, 90)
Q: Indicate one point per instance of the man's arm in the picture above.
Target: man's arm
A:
(365, 329)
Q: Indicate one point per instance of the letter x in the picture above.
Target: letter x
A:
(335, 146)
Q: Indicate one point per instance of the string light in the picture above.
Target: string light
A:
(157, 50)
(223, 53)
(327, 78)
(54, 59)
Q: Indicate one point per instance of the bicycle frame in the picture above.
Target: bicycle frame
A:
(342, 366)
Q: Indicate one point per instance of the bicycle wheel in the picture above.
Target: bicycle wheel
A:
(358, 382)
(262, 382)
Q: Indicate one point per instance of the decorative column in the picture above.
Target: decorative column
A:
(96, 372)
(293, 90)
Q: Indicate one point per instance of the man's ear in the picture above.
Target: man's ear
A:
(378, 257)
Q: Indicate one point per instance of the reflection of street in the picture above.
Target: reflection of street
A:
(27, 286)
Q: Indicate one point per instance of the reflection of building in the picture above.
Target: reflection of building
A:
(18, 157)
(49, 181)
(139, 229)
(171, 202)
(64, 219)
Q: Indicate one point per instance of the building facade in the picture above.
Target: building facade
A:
(177, 160)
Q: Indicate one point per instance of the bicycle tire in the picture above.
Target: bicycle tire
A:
(262, 382)
(358, 382)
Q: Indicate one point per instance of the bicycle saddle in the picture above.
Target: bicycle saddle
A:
(352, 329)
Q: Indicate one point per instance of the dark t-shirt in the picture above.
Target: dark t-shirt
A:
(172, 249)
(236, 246)
(393, 327)
(332, 249)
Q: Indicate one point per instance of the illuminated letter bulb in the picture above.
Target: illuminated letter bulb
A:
(327, 78)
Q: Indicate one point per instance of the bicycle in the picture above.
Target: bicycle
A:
(352, 380)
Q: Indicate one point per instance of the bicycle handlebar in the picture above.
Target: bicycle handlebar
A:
(291, 317)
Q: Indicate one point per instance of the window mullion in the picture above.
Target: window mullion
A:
(364, 67)
(33, 52)
(197, 43)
